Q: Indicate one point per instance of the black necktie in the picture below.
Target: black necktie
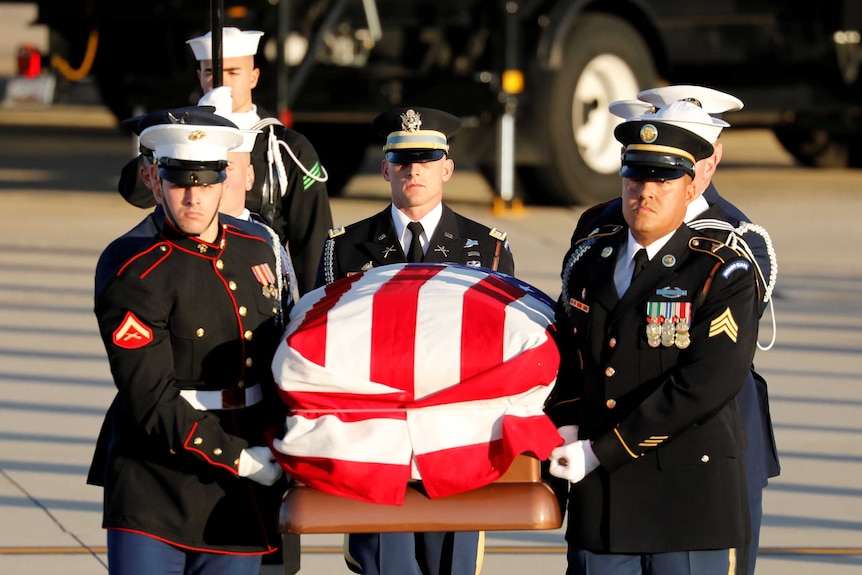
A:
(414, 254)
(641, 261)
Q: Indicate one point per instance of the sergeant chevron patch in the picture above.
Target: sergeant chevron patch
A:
(724, 324)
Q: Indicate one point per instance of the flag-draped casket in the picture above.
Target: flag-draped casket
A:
(428, 371)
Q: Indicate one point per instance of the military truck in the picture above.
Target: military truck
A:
(331, 65)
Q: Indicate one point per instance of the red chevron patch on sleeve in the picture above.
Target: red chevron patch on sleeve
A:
(132, 333)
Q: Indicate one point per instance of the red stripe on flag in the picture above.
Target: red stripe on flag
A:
(483, 324)
(375, 482)
(309, 339)
(393, 335)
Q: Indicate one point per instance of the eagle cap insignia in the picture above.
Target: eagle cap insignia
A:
(649, 133)
(181, 120)
(411, 121)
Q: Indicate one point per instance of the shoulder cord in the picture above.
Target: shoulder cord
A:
(736, 241)
(283, 265)
(328, 261)
(567, 269)
(274, 159)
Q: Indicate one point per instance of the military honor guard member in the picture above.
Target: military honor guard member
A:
(289, 190)
(189, 323)
(416, 227)
(657, 327)
(712, 214)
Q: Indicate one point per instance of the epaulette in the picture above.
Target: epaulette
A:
(601, 231)
(335, 232)
(498, 235)
(716, 248)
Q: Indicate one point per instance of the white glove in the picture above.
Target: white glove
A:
(573, 461)
(569, 433)
(220, 98)
(258, 464)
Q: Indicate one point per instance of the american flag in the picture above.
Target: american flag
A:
(428, 371)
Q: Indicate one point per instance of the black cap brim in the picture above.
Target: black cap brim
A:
(189, 178)
(651, 173)
(413, 156)
(192, 173)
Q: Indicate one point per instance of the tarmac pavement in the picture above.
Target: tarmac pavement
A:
(55, 384)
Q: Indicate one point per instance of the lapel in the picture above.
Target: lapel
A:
(446, 245)
(661, 267)
(603, 268)
(382, 245)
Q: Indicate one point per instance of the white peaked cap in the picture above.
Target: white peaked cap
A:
(629, 109)
(690, 117)
(190, 142)
(712, 101)
(235, 42)
(220, 98)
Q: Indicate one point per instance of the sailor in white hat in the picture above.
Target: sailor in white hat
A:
(289, 191)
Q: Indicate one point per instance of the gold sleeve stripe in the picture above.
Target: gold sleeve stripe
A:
(724, 324)
(626, 447)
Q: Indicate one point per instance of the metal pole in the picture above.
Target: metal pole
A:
(216, 25)
(281, 78)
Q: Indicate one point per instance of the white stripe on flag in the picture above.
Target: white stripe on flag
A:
(372, 441)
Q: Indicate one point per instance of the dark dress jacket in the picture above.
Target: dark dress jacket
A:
(301, 215)
(179, 314)
(372, 242)
(761, 452)
(663, 420)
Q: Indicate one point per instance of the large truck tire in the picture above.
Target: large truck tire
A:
(605, 59)
(819, 148)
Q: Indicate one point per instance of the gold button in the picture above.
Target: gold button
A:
(248, 335)
(243, 310)
(217, 451)
(198, 440)
(172, 452)
(610, 372)
(705, 458)
(232, 285)
(249, 362)
(236, 462)
(611, 403)
(612, 342)
(275, 310)
(163, 248)
(219, 264)
(200, 332)
(240, 384)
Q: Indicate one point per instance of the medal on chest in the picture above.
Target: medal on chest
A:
(667, 323)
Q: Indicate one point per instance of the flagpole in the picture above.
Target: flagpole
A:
(216, 25)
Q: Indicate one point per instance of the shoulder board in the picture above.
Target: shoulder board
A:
(716, 248)
(335, 232)
(497, 234)
(601, 231)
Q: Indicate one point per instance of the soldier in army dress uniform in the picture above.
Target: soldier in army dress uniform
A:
(416, 227)
(657, 327)
(189, 322)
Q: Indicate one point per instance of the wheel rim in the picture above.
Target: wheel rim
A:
(605, 79)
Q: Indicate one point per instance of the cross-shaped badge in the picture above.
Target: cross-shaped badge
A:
(388, 250)
(442, 250)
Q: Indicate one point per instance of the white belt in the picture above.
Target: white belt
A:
(235, 398)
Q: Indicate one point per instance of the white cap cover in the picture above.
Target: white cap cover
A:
(235, 43)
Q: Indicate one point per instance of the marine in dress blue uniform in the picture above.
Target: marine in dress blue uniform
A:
(414, 136)
(649, 373)
(189, 322)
